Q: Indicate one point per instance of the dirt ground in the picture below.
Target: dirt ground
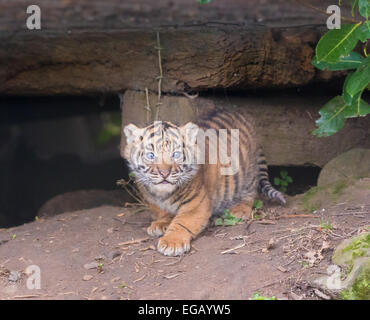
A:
(105, 253)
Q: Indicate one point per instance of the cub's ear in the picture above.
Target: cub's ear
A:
(190, 132)
(132, 133)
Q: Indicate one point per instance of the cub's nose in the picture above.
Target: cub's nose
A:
(164, 173)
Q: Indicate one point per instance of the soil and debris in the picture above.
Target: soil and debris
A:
(105, 253)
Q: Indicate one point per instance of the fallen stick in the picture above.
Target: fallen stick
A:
(171, 276)
(252, 251)
(133, 241)
(298, 216)
(26, 297)
(235, 248)
(141, 278)
(265, 222)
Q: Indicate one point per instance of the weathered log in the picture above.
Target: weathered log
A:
(193, 58)
(90, 46)
(118, 14)
(284, 123)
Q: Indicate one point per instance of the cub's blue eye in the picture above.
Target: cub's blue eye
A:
(150, 155)
(176, 155)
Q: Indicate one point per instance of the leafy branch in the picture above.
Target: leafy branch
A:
(335, 52)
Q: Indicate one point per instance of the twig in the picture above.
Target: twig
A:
(141, 278)
(132, 190)
(271, 284)
(147, 107)
(356, 214)
(160, 77)
(175, 262)
(255, 250)
(297, 216)
(133, 241)
(26, 296)
(249, 224)
(235, 248)
(172, 276)
(265, 222)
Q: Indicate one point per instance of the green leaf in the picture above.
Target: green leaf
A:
(359, 107)
(257, 296)
(336, 43)
(363, 33)
(346, 96)
(204, 1)
(219, 222)
(364, 8)
(283, 174)
(289, 179)
(284, 183)
(332, 117)
(357, 81)
(257, 204)
(231, 222)
(277, 181)
(351, 61)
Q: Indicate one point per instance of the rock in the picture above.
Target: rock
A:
(350, 249)
(87, 277)
(358, 286)
(353, 255)
(100, 257)
(353, 164)
(355, 192)
(113, 254)
(83, 199)
(14, 276)
(91, 265)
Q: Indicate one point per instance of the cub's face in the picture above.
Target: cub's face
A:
(162, 155)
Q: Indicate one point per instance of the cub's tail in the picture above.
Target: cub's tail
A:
(264, 184)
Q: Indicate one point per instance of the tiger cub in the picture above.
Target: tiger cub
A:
(184, 185)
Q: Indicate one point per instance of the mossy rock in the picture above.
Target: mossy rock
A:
(360, 284)
(319, 197)
(345, 190)
(353, 165)
(350, 249)
(354, 255)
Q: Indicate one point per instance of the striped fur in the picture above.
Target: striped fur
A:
(183, 194)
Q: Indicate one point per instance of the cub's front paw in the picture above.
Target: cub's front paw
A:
(157, 228)
(174, 244)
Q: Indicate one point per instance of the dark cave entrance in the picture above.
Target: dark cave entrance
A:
(303, 177)
(54, 145)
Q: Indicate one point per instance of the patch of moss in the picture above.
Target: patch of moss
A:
(345, 255)
(318, 196)
(339, 187)
(360, 289)
(361, 242)
(309, 205)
